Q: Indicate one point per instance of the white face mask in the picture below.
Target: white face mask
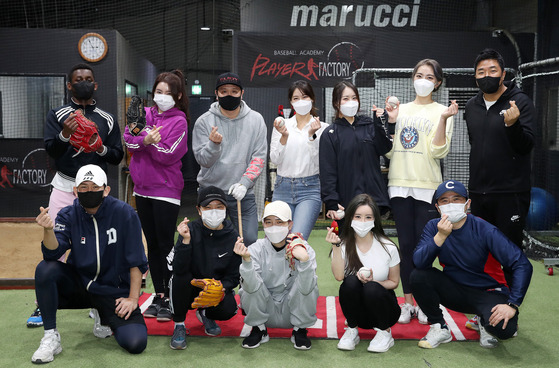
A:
(302, 107)
(362, 228)
(276, 234)
(423, 87)
(164, 102)
(213, 218)
(349, 108)
(454, 211)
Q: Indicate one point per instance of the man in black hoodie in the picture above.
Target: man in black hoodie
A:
(204, 250)
(500, 120)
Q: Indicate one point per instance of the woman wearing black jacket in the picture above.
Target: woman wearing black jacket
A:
(350, 151)
(204, 250)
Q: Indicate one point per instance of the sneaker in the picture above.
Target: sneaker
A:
(382, 341)
(349, 340)
(486, 340)
(154, 307)
(35, 320)
(421, 317)
(300, 339)
(164, 314)
(50, 346)
(210, 327)
(178, 341)
(256, 338)
(473, 323)
(407, 312)
(437, 335)
(99, 330)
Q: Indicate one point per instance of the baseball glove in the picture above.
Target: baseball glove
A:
(85, 138)
(293, 240)
(136, 116)
(211, 295)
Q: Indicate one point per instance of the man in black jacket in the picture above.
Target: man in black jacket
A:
(204, 249)
(500, 120)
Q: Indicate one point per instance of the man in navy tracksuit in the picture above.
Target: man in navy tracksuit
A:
(204, 249)
(104, 269)
(471, 252)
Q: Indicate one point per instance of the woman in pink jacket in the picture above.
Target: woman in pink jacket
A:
(155, 169)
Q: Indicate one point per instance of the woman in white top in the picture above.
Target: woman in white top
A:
(294, 149)
(369, 264)
(422, 138)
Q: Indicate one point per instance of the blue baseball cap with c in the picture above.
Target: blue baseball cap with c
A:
(451, 186)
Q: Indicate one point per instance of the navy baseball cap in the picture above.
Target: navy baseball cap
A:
(451, 186)
(209, 194)
(228, 78)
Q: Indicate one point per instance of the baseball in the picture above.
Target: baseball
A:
(393, 101)
(281, 122)
(340, 214)
(365, 272)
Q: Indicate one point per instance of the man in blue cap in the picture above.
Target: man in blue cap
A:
(471, 252)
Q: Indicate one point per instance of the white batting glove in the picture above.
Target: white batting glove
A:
(238, 191)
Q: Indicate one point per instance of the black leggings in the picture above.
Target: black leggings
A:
(183, 294)
(432, 287)
(411, 216)
(368, 305)
(59, 286)
(159, 221)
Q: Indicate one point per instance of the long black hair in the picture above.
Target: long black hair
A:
(347, 234)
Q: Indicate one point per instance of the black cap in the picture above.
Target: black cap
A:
(211, 193)
(228, 78)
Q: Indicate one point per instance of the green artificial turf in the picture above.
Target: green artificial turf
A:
(535, 346)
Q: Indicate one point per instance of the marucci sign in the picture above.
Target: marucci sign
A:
(268, 61)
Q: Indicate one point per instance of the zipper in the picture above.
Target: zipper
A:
(97, 251)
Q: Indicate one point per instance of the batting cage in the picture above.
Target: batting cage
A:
(374, 44)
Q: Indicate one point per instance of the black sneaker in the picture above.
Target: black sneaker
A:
(256, 338)
(300, 340)
(154, 308)
(164, 314)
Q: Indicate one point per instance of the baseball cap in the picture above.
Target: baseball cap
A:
(211, 193)
(451, 186)
(228, 78)
(280, 209)
(91, 173)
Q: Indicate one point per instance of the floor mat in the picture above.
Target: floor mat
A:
(330, 324)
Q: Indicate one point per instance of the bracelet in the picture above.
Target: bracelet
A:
(337, 244)
(512, 305)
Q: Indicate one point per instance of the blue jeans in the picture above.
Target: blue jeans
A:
(303, 196)
(249, 217)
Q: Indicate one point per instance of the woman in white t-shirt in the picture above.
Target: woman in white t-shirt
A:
(367, 301)
(294, 149)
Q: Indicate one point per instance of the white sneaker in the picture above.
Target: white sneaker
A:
(436, 336)
(382, 341)
(486, 340)
(349, 339)
(99, 330)
(50, 346)
(421, 317)
(407, 313)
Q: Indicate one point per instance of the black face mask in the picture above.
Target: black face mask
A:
(489, 85)
(83, 90)
(229, 103)
(90, 199)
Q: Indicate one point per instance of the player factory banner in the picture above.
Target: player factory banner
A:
(26, 171)
(273, 61)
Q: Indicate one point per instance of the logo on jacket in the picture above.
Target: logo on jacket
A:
(82, 240)
(409, 137)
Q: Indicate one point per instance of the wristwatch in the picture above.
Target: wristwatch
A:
(512, 305)
(313, 137)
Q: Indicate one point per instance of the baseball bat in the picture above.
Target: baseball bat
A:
(239, 217)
